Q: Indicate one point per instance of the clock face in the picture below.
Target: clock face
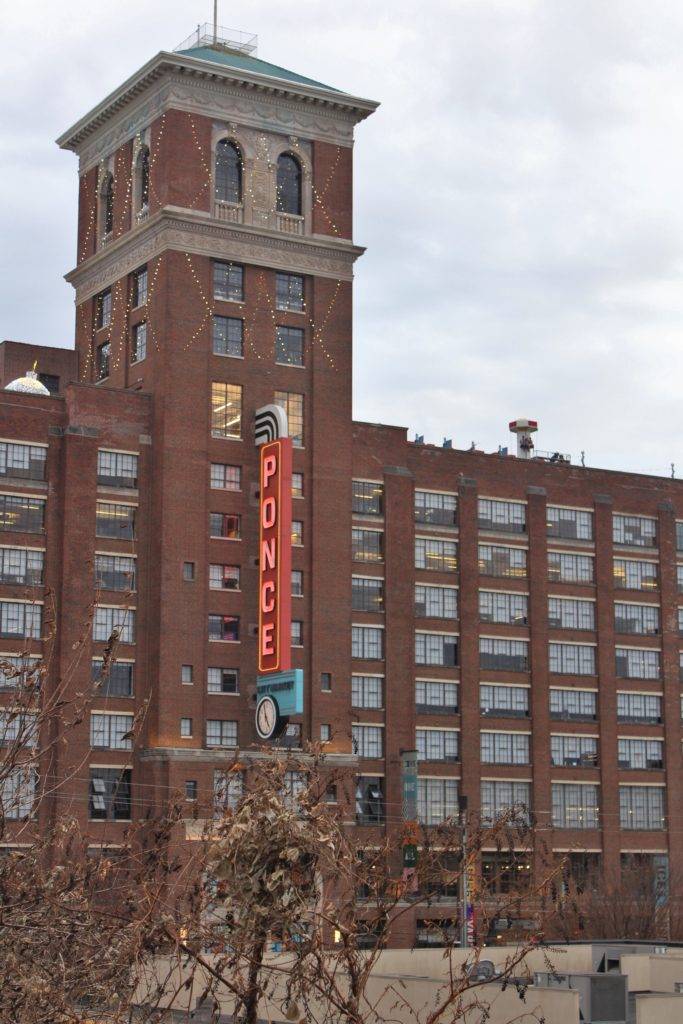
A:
(266, 717)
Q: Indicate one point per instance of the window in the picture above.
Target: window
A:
(641, 807)
(367, 740)
(574, 806)
(221, 733)
(116, 623)
(117, 469)
(186, 675)
(190, 789)
(117, 521)
(117, 681)
(367, 642)
(139, 346)
(566, 568)
(289, 292)
(111, 731)
(437, 800)
(367, 594)
(436, 602)
(19, 671)
(436, 744)
(21, 513)
(640, 753)
(297, 532)
(434, 697)
(436, 649)
(103, 310)
(225, 478)
(228, 788)
(222, 680)
(228, 282)
(504, 701)
(140, 287)
(366, 691)
(110, 798)
(293, 404)
(370, 799)
(297, 583)
(366, 545)
(573, 705)
(289, 346)
(326, 682)
(572, 659)
(297, 630)
(640, 619)
(186, 728)
(20, 620)
(636, 663)
(436, 555)
(21, 566)
(505, 872)
(500, 799)
(288, 187)
(18, 793)
(639, 707)
(325, 733)
(224, 627)
(225, 525)
(292, 736)
(22, 461)
(510, 609)
(636, 531)
(503, 516)
(188, 572)
(297, 485)
(18, 728)
(679, 536)
(103, 356)
(227, 336)
(632, 575)
(228, 172)
(573, 751)
(50, 381)
(436, 933)
(224, 577)
(570, 613)
(143, 167)
(570, 523)
(502, 655)
(226, 410)
(438, 509)
(495, 560)
(367, 498)
(504, 748)
(115, 572)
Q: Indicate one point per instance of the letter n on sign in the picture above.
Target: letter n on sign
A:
(275, 557)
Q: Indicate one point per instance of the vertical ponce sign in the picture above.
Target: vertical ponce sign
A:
(275, 556)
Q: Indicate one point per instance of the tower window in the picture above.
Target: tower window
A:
(288, 184)
(103, 353)
(108, 204)
(228, 180)
(139, 345)
(143, 171)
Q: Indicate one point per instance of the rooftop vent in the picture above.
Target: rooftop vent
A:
(218, 38)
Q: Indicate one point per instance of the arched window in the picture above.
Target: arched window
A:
(288, 184)
(108, 204)
(143, 166)
(228, 187)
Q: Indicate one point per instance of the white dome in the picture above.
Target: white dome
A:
(28, 385)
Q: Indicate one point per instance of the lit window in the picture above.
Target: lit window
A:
(293, 404)
(226, 410)
(224, 525)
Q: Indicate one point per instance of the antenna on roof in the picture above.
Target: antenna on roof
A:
(215, 22)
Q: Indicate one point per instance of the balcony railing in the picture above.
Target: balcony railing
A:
(290, 223)
(233, 213)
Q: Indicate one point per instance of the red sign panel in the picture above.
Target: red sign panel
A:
(275, 557)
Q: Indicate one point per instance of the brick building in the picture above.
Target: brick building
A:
(514, 619)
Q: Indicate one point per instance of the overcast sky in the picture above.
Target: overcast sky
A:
(519, 192)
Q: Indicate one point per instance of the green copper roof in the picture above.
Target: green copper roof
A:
(246, 63)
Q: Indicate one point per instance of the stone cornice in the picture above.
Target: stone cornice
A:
(199, 234)
(260, 100)
(225, 756)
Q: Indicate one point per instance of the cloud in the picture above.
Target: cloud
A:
(518, 191)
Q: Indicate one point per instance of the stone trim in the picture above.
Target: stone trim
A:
(199, 234)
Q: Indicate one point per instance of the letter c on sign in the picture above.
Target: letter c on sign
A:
(268, 513)
(268, 597)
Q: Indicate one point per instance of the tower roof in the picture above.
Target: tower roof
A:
(248, 62)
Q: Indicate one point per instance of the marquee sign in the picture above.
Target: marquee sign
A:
(275, 551)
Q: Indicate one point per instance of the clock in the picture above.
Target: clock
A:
(267, 718)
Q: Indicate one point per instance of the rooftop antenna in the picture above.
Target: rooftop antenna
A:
(215, 22)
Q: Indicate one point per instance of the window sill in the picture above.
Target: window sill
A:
(286, 309)
(291, 366)
(136, 362)
(226, 355)
(225, 590)
(225, 298)
(221, 693)
(225, 437)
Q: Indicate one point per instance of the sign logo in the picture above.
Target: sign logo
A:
(275, 556)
